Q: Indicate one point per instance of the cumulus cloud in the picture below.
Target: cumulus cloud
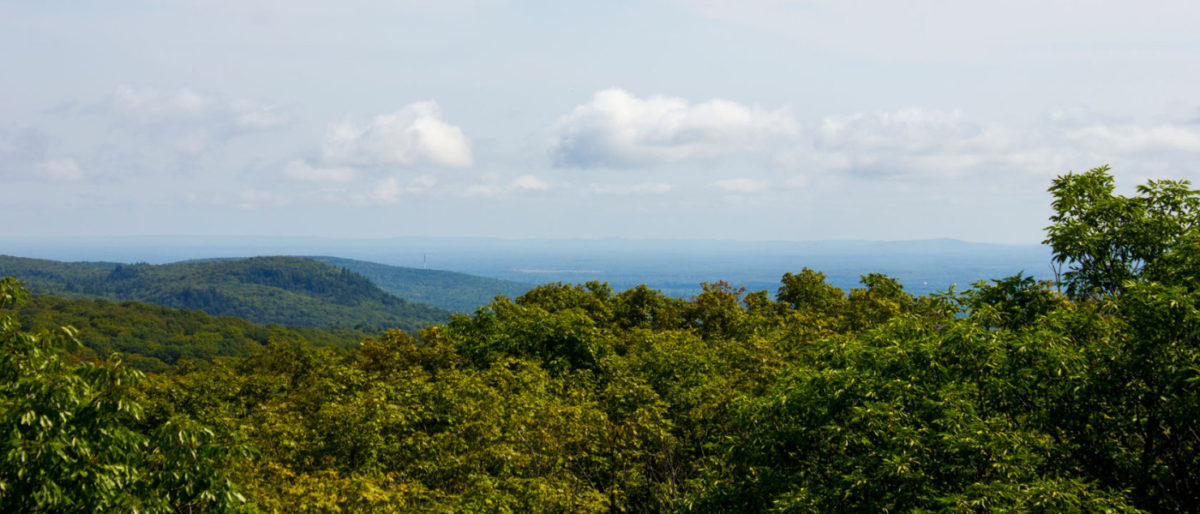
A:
(617, 129)
(413, 136)
(371, 152)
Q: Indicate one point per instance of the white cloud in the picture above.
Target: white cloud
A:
(412, 136)
(303, 172)
(530, 183)
(61, 170)
(916, 143)
(741, 185)
(617, 129)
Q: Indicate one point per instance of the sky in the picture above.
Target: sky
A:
(678, 119)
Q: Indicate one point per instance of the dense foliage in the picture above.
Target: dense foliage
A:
(577, 398)
(152, 337)
(76, 437)
(285, 290)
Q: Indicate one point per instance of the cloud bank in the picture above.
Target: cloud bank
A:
(616, 129)
(915, 143)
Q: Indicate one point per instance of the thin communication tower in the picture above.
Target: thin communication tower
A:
(424, 261)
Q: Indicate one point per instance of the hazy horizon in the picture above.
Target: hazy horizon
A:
(676, 267)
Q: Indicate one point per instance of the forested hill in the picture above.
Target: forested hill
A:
(1015, 395)
(448, 290)
(153, 337)
(284, 290)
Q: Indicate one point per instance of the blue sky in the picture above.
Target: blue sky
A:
(754, 119)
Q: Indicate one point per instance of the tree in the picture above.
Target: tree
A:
(809, 291)
(75, 438)
(1107, 240)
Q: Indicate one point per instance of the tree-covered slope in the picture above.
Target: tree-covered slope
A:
(152, 337)
(285, 290)
(1010, 396)
(448, 290)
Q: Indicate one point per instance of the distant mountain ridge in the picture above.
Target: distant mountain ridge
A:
(450, 290)
(285, 290)
(674, 266)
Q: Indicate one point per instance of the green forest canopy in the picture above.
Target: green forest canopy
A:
(573, 398)
(151, 337)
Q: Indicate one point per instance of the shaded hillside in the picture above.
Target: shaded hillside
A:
(285, 290)
(152, 337)
(448, 290)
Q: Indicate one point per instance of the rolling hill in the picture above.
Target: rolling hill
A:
(285, 290)
(153, 337)
(458, 292)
